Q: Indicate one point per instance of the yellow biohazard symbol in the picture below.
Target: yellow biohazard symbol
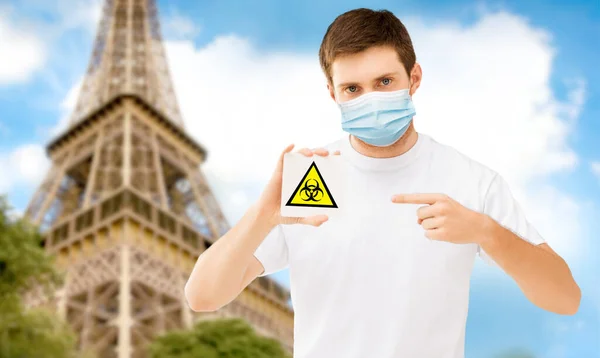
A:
(312, 191)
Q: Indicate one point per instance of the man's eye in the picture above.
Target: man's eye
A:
(386, 81)
(351, 89)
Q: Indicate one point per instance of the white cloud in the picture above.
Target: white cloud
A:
(490, 86)
(239, 103)
(22, 52)
(230, 93)
(485, 91)
(177, 27)
(595, 167)
(25, 166)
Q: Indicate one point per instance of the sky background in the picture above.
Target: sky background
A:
(514, 85)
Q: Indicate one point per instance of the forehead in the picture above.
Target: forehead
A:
(366, 65)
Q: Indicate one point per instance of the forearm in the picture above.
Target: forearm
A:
(218, 273)
(543, 276)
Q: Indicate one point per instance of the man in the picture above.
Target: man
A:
(391, 278)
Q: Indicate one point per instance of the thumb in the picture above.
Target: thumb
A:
(279, 168)
(315, 220)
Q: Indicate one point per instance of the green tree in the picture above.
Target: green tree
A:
(24, 263)
(221, 338)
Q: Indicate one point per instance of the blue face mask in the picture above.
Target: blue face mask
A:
(378, 118)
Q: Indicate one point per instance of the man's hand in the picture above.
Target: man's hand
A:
(542, 275)
(269, 202)
(444, 219)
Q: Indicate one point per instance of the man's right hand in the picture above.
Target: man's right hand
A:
(228, 266)
(270, 201)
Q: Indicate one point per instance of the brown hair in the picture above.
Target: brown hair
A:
(360, 29)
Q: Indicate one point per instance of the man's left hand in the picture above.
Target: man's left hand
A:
(444, 219)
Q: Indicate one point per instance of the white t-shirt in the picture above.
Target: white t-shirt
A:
(369, 283)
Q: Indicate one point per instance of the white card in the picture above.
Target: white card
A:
(312, 185)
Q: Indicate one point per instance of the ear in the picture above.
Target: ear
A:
(415, 78)
(331, 91)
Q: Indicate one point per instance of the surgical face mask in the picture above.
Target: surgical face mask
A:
(378, 118)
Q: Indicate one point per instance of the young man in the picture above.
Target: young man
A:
(391, 278)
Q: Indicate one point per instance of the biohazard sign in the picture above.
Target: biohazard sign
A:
(312, 191)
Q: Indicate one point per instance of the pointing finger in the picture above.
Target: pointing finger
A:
(417, 198)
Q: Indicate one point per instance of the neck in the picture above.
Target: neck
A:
(401, 146)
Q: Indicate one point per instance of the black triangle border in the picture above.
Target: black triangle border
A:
(289, 202)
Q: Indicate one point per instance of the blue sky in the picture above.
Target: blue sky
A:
(539, 88)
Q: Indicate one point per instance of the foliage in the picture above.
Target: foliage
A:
(222, 338)
(33, 333)
(24, 263)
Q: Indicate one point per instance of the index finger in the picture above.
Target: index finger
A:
(420, 198)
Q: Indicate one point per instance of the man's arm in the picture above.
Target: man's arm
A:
(542, 275)
(228, 266)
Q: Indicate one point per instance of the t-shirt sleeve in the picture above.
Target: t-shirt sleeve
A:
(501, 206)
(273, 252)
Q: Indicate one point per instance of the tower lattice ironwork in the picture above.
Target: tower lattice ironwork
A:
(125, 206)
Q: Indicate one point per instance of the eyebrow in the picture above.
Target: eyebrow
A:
(374, 80)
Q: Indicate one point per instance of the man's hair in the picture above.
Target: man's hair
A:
(360, 29)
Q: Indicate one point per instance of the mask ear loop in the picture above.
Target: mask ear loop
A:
(409, 83)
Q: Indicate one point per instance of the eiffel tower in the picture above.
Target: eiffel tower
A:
(125, 207)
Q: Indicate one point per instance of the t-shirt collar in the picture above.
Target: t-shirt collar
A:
(382, 164)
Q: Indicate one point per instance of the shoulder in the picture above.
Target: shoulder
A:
(455, 161)
(464, 174)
